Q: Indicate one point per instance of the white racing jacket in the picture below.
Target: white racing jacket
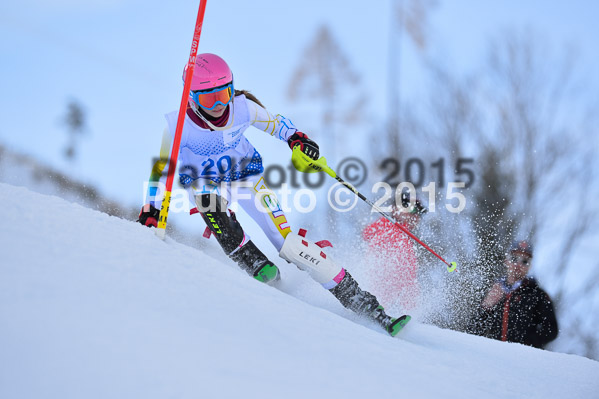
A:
(217, 155)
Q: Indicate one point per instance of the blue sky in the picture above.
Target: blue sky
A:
(123, 61)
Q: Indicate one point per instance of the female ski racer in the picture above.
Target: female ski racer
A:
(219, 165)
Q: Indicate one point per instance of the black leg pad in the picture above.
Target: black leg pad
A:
(226, 229)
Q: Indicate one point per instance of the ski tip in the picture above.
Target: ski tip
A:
(452, 267)
(268, 274)
(398, 324)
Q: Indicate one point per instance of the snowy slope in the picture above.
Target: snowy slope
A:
(92, 306)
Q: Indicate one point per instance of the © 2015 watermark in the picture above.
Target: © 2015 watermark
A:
(305, 200)
(297, 192)
(353, 170)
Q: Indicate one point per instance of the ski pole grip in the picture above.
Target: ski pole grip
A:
(452, 267)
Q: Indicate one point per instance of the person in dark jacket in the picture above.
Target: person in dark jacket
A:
(516, 309)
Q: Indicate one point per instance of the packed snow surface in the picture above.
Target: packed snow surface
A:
(93, 306)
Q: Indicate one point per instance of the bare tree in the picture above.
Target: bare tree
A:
(75, 120)
(326, 80)
(407, 17)
(325, 76)
(531, 123)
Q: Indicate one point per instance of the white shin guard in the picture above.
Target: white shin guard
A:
(310, 257)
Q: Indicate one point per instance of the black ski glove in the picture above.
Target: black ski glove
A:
(308, 147)
(148, 216)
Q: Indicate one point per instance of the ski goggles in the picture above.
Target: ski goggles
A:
(208, 99)
(523, 260)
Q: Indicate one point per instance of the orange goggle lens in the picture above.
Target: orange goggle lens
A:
(208, 99)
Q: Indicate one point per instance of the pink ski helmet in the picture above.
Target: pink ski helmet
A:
(210, 71)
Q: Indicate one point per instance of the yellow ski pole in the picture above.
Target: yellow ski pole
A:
(303, 163)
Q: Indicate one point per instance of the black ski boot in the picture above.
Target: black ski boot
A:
(230, 235)
(364, 303)
(255, 263)
(391, 324)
